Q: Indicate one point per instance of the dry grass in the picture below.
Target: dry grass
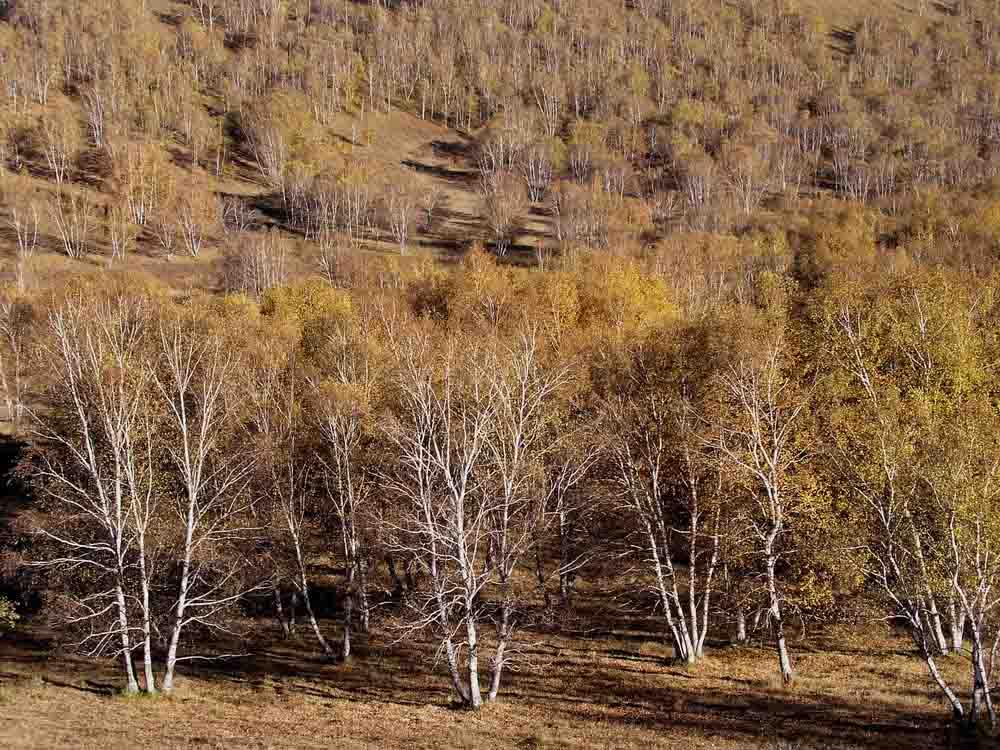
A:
(598, 690)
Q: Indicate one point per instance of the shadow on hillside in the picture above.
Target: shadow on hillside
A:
(843, 40)
(463, 177)
(569, 687)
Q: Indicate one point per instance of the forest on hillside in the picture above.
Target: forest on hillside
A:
(437, 320)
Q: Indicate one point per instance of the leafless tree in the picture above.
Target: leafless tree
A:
(400, 204)
(16, 318)
(94, 477)
(432, 201)
(237, 216)
(469, 441)
(255, 262)
(122, 231)
(197, 214)
(440, 435)
(24, 221)
(566, 509)
(268, 146)
(503, 200)
(60, 143)
(747, 172)
(760, 441)
(349, 492)
(290, 479)
(536, 168)
(520, 393)
(73, 216)
(192, 378)
(661, 471)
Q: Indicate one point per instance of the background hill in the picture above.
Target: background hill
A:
(348, 127)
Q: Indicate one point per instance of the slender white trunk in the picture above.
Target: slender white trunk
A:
(472, 641)
(345, 649)
(132, 685)
(957, 623)
(741, 624)
(669, 599)
(956, 704)
(442, 614)
(307, 600)
(784, 660)
(981, 696)
(147, 650)
(707, 595)
(565, 574)
(504, 630)
(279, 612)
(181, 608)
(362, 596)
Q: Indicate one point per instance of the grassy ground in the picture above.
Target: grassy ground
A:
(613, 689)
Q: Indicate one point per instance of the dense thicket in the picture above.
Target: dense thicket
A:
(474, 442)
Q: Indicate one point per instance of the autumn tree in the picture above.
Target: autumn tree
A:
(504, 203)
(761, 435)
(95, 472)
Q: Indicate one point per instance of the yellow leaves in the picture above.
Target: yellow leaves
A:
(554, 300)
(284, 119)
(305, 311)
(988, 221)
(637, 80)
(618, 295)
(336, 397)
(483, 291)
(237, 308)
(691, 117)
(546, 24)
(586, 133)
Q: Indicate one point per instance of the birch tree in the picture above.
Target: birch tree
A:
(349, 491)
(666, 467)
(759, 437)
(211, 479)
(913, 441)
(444, 421)
(73, 215)
(290, 481)
(16, 323)
(24, 221)
(522, 390)
(99, 430)
(400, 205)
(60, 143)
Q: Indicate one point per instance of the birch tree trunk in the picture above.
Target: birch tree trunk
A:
(279, 611)
(132, 685)
(957, 625)
(784, 660)
(147, 647)
(181, 606)
(741, 624)
(345, 649)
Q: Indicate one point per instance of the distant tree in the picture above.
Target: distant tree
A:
(400, 204)
(73, 214)
(60, 141)
(504, 202)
